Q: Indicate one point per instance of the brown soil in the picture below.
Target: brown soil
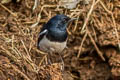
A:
(93, 53)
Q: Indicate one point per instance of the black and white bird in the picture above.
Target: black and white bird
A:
(53, 35)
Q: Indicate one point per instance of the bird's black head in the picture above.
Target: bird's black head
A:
(59, 22)
(57, 28)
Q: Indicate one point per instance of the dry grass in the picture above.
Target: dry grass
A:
(97, 27)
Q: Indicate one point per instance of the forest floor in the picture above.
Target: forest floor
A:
(93, 48)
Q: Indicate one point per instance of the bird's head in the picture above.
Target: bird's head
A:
(57, 26)
(59, 22)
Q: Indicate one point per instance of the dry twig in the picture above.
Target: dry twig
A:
(15, 15)
(80, 48)
(97, 49)
(35, 4)
(88, 15)
(114, 23)
(17, 70)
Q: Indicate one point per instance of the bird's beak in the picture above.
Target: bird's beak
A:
(72, 19)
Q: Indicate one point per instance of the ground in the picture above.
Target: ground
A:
(93, 49)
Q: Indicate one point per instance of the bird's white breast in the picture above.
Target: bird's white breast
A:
(48, 46)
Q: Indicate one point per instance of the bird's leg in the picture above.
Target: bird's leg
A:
(62, 62)
(49, 59)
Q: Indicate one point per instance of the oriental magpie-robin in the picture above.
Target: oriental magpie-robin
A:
(53, 35)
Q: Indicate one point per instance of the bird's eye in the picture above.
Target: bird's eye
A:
(65, 19)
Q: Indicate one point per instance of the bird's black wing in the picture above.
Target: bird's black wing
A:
(42, 33)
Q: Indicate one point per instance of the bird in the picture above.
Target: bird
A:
(53, 35)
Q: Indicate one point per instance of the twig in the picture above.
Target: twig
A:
(9, 54)
(8, 10)
(94, 33)
(29, 60)
(42, 60)
(84, 25)
(25, 49)
(80, 48)
(17, 52)
(105, 8)
(76, 24)
(88, 15)
(39, 51)
(35, 4)
(97, 49)
(17, 70)
(39, 16)
(114, 23)
(38, 19)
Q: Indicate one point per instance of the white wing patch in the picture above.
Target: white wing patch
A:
(43, 32)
